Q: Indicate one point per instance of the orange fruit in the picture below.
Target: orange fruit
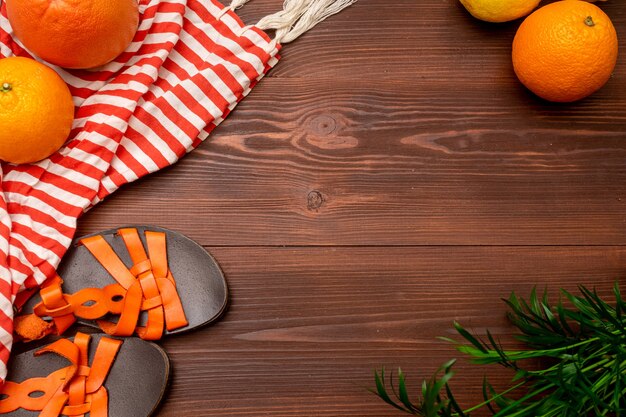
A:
(36, 110)
(565, 51)
(74, 33)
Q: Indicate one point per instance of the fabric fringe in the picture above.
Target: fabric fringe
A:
(235, 4)
(298, 16)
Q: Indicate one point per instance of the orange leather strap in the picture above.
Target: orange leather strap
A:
(24, 295)
(56, 304)
(72, 391)
(173, 309)
(160, 299)
(107, 257)
(18, 395)
(157, 250)
(127, 321)
(142, 269)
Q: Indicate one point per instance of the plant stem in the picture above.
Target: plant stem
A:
(495, 397)
(524, 354)
(503, 412)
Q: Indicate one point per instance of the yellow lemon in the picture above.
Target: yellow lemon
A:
(500, 10)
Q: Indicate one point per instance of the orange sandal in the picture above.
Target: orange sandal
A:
(146, 298)
(126, 378)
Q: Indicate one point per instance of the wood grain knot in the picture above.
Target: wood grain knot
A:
(314, 200)
(323, 125)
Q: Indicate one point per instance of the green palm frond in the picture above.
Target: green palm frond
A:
(580, 341)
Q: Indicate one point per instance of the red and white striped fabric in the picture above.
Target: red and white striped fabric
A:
(190, 63)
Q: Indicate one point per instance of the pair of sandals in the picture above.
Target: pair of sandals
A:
(144, 281)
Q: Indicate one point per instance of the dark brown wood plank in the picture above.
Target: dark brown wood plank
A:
(307, 326)
(380, 162)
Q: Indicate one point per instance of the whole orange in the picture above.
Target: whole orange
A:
(36, 110)
(565, 51)
(74, 33)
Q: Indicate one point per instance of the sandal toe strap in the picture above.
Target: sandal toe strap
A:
(159, 297)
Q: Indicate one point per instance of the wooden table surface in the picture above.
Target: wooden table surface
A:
(389, 176)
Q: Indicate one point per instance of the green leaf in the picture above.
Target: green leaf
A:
(561, 311)
(382, 392)
(454, 406)
(403, 394)
(468, 336)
